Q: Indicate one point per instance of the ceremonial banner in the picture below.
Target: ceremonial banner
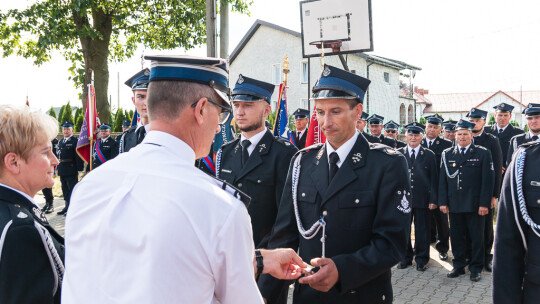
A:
(136, 118)
(89, 126)
(314, 135)
(226, 133)
(281, 125)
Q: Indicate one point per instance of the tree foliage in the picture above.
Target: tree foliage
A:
(118, 120)
(52, 112)
(79, 122)
(67, 115)
(92, 33)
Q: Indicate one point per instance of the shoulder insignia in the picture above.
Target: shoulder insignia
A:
(402, 201)
(383, 148)
(312, 147)
(530, 144)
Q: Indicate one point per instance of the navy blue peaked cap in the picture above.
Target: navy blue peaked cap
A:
(126, 123)
(532, 109)
(67, 124)
(477, 113)
(450, 125)
(301, 113)
(337, 83)
(391, 125)
(139, 81)
(375, 119)
(415, 128)
(504, 107)
(364, 116)
(104, 127)
(435, 119)
(249, 89)
(204, 70)
(464, 125)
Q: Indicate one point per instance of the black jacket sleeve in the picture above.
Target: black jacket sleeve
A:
(488, 180)
(496, 154)
(434, 179)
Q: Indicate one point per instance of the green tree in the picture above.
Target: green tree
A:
(422, 121)
(92, 33)
(52, 112)
(60, 114)
(514, 123)
(118, 120)
(77, 113)
(491, 120)
(79, 122)
(67, 115)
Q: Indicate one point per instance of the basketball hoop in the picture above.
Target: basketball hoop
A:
(335, 45)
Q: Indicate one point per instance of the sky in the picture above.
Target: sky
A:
(461, 46)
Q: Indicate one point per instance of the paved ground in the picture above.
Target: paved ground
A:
(410, 286)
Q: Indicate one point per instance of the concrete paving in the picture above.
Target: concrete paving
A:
(410, 285)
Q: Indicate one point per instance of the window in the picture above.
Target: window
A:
(304, 104)
(276, 74)
(305, 72)
(386, 77)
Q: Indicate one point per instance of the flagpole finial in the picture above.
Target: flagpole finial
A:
(286, 67)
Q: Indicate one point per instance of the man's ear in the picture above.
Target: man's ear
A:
(358, 109)
(12, 162)
(200, 109)
(267, 109)
(133, 99)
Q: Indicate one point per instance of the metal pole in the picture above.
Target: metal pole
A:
(210, 29)
(224, 29)
(367, 93)
(343, 62)
(309, 85)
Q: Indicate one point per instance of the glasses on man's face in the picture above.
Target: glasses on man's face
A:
(391, 131)
(225, 110)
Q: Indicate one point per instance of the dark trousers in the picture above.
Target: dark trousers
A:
(488, 236)
(439, 227)
(47, 192)
(461, 225)
(422, 224)
(68, 183)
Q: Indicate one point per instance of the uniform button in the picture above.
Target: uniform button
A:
(240, 185)
(324, 213)
(303, 195)
(538, 202)
(383, 297)
(258, 181)
(412, 186)
(459, 188)
(356, 201)
(412, 173)
(353, 291)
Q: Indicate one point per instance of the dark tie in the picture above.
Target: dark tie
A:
(413, 156)
(535, 137)
(500, 131)
(245, 154)
(140, 134)
(429, 144)
(334, 159)
(462, 152)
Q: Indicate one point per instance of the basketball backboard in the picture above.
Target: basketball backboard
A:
(341, 26)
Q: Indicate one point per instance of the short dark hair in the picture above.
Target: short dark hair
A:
(167, 99)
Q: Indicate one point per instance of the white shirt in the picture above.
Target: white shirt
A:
(301, 133)
(416, 150)
(342, 151)
(531, 134)
(466, 149)
(149, 227)
(499, 128)
(66, 139)
(254, 140)
(430, 141)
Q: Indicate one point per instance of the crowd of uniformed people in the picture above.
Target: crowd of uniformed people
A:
(149, 227)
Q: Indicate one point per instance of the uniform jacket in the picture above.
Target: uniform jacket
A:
(300, 141)
(69, 162)
(516, 265)
(367, 222)
(109, 148)
(27, 271)
(515, 142)
(128, 140)
(504, 138)
(389, 141)
(473, 186)
(262, 178)
(424, 177)
(372, 139)
(490, 142)
(396, 144)
(438, 146)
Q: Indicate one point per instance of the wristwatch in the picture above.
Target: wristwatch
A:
(260, 264)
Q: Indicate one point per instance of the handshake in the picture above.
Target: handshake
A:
(285, 264)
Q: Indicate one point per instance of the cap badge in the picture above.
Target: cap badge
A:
(503, 105)
(22, 215)
(326, 72)
(530, 105)
(146, 73)
(240, 79)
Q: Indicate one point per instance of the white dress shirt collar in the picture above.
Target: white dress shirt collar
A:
(416, 150)
(466, 148)
(105, 138)
(531, 134)
(66, 138)
(342, 151)
(172, 143)
(254, 140)
(20, 192)
(499, 128)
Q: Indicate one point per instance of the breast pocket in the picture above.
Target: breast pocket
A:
(307, 207)
(356, 209)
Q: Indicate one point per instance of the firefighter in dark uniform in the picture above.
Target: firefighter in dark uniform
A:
(47, 192)
(516, 264)
(206, 164)
(125, 126)
(391, 130)
(343, 206)
(449, 130)
(105, 147)
(503, 129)
(135, 135)
(301, 120)
(490, 142)
(31, 251)
(440, 232)
(70, 163)
(532, 114)
(361, 124)
(375, 123)
(466, 182)
(424, 186)
(257, 162)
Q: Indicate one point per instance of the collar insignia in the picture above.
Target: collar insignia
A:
(262, 147)
(356, 157)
